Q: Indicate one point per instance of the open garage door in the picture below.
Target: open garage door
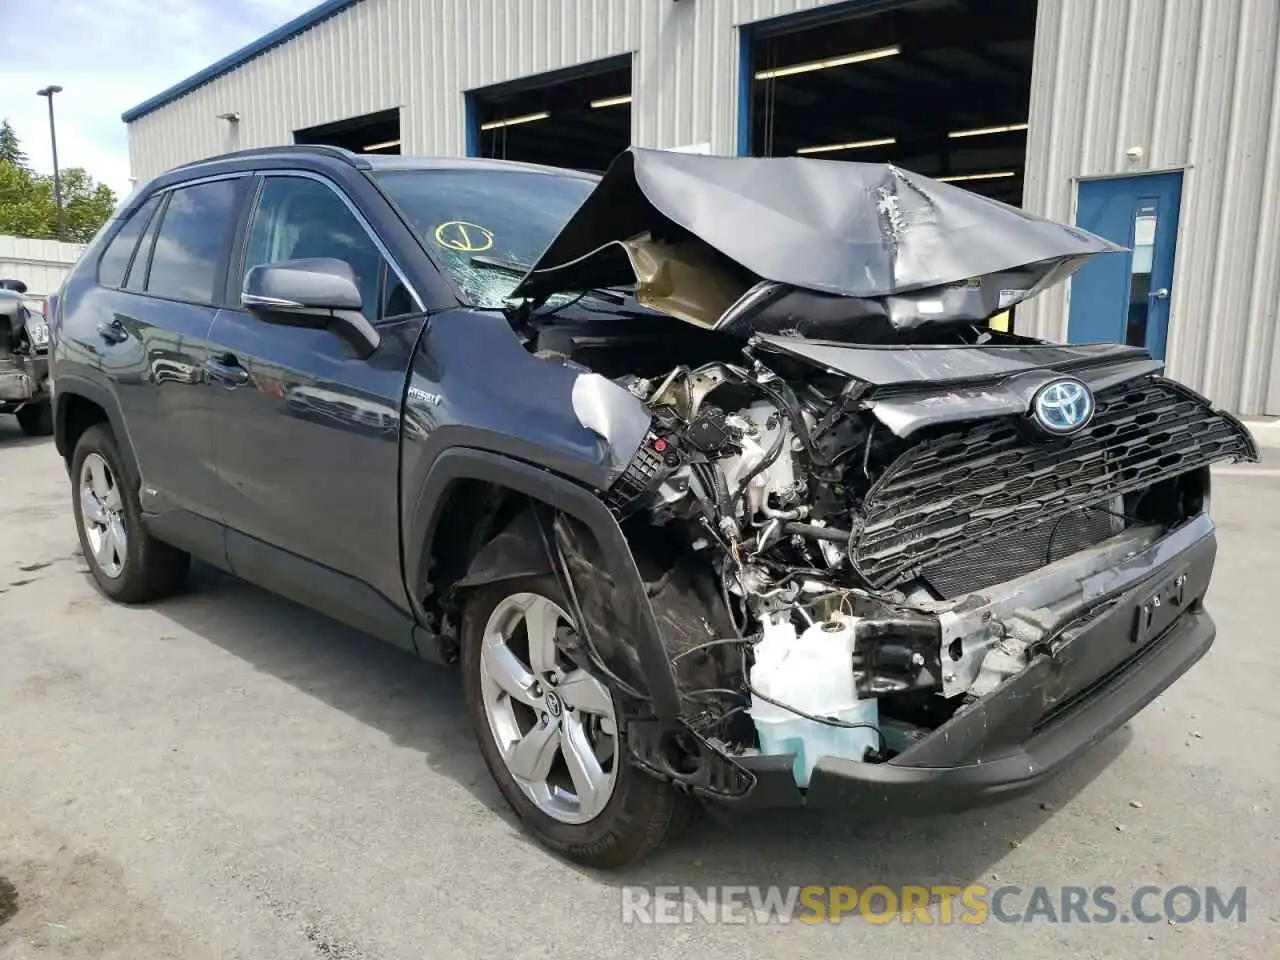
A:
(370, 133)
(939, 87)
(579, 119)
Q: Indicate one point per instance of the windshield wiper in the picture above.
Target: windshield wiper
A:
(511, 266)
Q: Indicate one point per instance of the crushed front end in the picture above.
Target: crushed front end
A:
(897, 559)
(918, 622)
(24, 354)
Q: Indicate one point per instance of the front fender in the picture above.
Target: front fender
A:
(629, 598)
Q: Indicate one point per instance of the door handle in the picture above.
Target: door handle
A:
(113, 331)
(1161, 294)
(227, 369)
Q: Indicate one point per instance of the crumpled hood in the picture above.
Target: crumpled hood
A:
(711, 238)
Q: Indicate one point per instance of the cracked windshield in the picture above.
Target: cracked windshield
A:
(485, 227)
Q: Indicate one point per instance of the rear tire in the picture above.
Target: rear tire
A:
(127, 563)
(640, 814)
(36, 420)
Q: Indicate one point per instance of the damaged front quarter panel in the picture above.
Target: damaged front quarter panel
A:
(613, 414)
(631, 635)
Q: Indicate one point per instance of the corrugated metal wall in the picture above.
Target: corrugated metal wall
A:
(1195, 84)
(1192, 82)
(40, 264)
(423, 54)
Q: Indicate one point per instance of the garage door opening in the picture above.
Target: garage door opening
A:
(371, 133)
(939, 87)
(579, 119)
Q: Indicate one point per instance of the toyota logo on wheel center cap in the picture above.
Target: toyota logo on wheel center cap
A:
(1063, 406)
(553, 704)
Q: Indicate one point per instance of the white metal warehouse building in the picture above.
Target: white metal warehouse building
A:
(1153, 122)
(41, 264)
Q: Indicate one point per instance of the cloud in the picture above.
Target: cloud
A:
(110, 55)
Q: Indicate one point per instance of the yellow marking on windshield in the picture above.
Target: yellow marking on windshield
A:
(463, 236)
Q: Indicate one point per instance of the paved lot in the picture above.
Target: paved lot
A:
(228, 775)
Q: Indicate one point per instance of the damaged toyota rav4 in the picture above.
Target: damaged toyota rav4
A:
(710, 475)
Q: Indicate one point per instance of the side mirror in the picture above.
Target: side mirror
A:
(319, 293)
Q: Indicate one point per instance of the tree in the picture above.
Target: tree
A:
(28, 207)
(24, 212)
(88, 205)
(11, 147)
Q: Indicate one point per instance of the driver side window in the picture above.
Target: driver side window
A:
(298, 218)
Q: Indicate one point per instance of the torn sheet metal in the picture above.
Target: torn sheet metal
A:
(681, 279)
(911, 388)
(932, 366)
(619, 419)
(919, 251)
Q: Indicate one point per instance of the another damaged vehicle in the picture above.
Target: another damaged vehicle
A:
(24, 360)
(709, 474)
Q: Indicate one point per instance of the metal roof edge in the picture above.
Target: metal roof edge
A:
(282, 34)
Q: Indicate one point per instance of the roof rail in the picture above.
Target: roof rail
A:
(320, 149)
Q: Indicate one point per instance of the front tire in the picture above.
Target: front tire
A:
(36, 420)
(549, 732)
(127, 563)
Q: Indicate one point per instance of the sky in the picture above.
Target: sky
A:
(108, 56)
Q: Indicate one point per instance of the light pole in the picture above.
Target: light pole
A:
(48, 93)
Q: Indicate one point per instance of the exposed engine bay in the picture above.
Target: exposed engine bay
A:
(878, 573)
(872, 511)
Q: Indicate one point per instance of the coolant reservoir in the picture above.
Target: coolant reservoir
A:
(812, 672)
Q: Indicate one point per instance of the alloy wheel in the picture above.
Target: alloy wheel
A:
(102, 512)
(554, 724)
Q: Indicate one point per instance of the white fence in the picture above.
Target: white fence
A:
(40, 264)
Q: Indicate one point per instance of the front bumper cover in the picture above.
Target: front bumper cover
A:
(1120, 651)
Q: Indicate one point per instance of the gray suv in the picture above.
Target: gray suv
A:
(709, 476)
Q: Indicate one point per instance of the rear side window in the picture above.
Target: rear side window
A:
(191, 241)
(115, 259)
(136, 279)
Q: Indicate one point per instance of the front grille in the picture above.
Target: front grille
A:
(972, 488)
(1020, 553)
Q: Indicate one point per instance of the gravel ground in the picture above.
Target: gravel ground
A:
(229, 775)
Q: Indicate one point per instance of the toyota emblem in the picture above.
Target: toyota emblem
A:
(1062, 407)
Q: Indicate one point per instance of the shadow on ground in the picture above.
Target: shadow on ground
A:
(11, 435)
(419, 705)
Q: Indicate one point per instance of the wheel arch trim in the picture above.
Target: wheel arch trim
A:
(72, 385)
(464, 463)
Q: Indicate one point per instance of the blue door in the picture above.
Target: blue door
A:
(1125, 297)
